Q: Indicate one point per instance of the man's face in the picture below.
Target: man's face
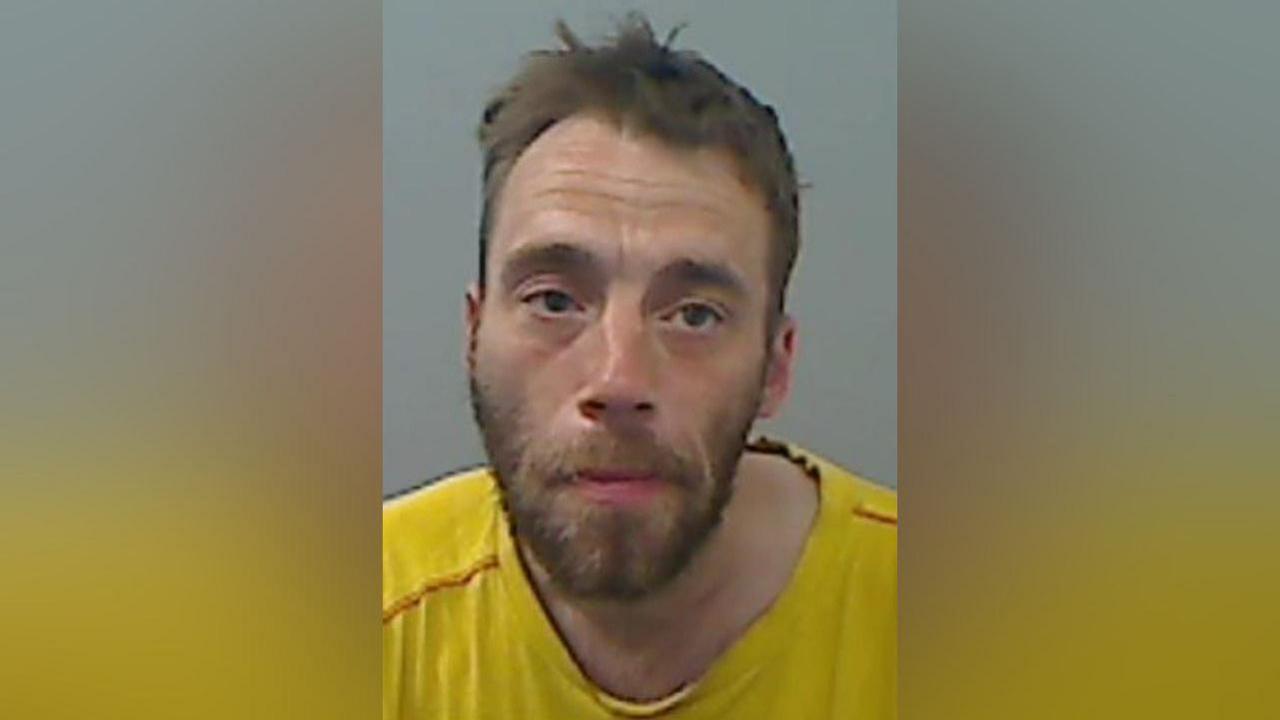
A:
(618, 354)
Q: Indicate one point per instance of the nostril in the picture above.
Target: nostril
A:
(596, 409)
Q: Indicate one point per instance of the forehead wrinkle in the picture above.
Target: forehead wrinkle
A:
(620, 200)
(637, 189)
(630, 201)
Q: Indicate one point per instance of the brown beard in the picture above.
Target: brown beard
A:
(601, 552)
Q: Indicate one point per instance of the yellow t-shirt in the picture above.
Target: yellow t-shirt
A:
(464, 636)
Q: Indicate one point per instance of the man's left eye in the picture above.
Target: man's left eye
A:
(698, 316)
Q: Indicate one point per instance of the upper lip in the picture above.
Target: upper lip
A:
(614, 475)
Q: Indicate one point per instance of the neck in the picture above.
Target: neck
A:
(645, 649)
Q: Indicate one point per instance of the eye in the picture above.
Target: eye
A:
(697, 316)
(551, 302)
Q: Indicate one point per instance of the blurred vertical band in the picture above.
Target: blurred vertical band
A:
(190, 200)
(1089, 344)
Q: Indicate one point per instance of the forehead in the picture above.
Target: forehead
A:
(629, 195)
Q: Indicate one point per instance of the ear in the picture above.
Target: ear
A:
(777, 379)
(474, 305)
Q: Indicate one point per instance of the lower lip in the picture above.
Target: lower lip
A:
(620, 492)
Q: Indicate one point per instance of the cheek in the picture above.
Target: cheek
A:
(740, 398)
(501, 350)
(716, 382)
(529, 374)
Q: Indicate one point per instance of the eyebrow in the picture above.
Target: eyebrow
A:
(557, 257)
(699, 273)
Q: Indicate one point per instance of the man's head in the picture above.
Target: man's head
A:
(627, 326)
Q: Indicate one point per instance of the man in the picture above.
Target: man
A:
(629, 553)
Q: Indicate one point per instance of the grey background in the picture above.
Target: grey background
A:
(830, 69)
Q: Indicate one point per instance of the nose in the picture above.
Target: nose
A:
(622, 386)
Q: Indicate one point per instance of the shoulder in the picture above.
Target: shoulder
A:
(858, 526)
(436, 536)
(862, 521)
(869, 507)
(852, 494)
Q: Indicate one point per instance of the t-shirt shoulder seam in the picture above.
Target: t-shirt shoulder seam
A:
(875, 503)
(438, 583)
(875, 515)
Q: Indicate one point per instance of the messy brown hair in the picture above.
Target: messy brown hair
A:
(675, 96)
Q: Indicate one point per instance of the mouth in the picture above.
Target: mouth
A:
(618, 487)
